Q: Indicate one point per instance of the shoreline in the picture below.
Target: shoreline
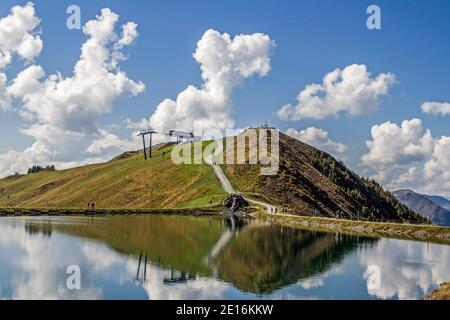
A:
(420, 232)
(429, 233)
(17, 212)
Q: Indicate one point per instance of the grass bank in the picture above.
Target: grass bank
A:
(441, 293)
(404, 231)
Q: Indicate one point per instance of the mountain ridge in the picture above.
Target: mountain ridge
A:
(439, 200)
(424, 205)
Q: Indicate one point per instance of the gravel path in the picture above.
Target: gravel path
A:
(228, 188)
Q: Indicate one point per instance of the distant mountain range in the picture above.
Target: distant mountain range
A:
(440, 201)
(434, 207)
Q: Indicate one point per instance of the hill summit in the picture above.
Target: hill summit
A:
(312, 182)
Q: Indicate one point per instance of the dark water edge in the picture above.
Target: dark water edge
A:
(7, 212)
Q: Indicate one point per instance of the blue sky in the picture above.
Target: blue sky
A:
(312, 38)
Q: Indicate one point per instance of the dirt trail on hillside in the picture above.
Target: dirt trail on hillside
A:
(228, 188)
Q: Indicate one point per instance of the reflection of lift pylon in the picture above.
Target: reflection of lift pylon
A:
(182, 277)
(144, 279)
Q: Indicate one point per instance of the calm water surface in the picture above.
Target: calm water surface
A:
(184, 257)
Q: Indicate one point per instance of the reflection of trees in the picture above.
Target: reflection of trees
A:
(38, 228)
(261, 260)
(180, 242)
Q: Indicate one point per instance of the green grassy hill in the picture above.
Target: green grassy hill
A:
(127, 181)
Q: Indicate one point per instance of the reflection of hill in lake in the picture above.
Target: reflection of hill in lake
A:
(180, 242)
(261, 260)
(258, 259)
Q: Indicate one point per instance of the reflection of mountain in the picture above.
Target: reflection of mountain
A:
(262, 260)
(258, 259)
(170, 241)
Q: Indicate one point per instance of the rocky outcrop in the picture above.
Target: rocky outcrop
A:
(235, 202)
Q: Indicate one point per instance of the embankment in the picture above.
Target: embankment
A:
(404, 231)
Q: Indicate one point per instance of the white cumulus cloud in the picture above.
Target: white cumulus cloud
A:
(5, 101)
(138, 125)
(109, 143)
(318, 138)
(17, 37)
(408, 156)
(64, 112)
(393, 144)
(16, 34)
(436, 108)
(352, 90)
(439, 163)
(129, 34)
(224, 62)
